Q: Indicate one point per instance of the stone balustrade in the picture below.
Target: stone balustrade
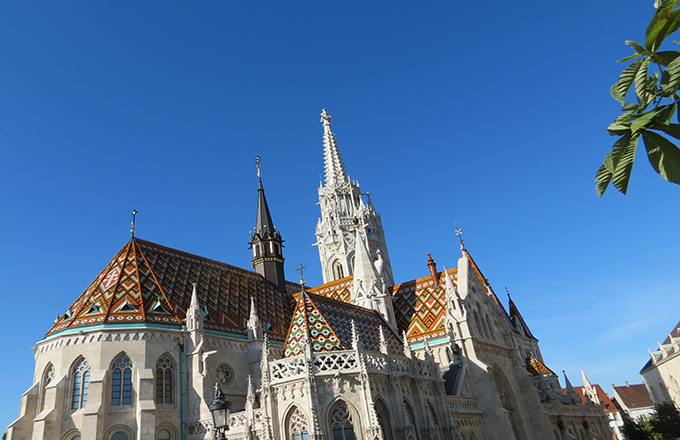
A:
(460, 404)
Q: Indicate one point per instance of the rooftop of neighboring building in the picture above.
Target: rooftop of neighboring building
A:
(604, 398)
(632, 396)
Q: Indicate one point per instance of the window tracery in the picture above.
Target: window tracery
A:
(121, 390)
(81, 384)
(297, 426)
(341, 422)
(164, 377)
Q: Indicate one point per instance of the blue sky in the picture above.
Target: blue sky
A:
(488, 114)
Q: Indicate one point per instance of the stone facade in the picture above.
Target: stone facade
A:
(138, 354)
(662, 371)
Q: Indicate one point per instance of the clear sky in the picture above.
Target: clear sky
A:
(489, 114)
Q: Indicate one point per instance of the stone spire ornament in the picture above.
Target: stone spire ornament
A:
(342, 207)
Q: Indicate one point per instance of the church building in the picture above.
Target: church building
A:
(139, 354)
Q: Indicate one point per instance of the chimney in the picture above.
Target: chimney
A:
(433, 269)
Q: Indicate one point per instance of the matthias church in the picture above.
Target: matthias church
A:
(364, 356)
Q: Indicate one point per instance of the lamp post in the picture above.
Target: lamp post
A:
(220, 410)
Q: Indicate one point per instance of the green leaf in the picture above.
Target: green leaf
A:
(641, 89)
(630, 57)
(663, 155)
(624, 166)
(639, 49)
(602, 178)
(665, 57)
(644, 119)
(616, 94)
(670, 129)
(630, 106)
(662, 25)
(619, 129)
(670, 80)
(627, 77)
(612, 159)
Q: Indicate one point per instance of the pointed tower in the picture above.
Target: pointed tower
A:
(343, 207)
(266, 242)
(368, 288)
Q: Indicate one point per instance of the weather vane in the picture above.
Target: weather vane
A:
(459, 233)
(134, 214)
(302, 279)
(257, 164)
(508, 292)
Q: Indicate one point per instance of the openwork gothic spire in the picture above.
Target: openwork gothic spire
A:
(335, 168)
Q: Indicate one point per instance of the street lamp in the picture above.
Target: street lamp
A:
(220, 410)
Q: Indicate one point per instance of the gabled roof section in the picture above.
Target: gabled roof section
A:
(518, 322)
(420, 307)
(536, 368)
(328, 324)
(309, 324)
(367, 322)
(149, 283)
(633, 396)
(675, 333)
(339, 289)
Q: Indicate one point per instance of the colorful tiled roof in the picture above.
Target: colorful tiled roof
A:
(633, 396)
(338, 289)
(420, 307)
(328, 324)
(536, 367)
(309, 324)
(149, 283)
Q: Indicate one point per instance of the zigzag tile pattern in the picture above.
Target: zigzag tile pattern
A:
(146, 282)
(420, 307)
(338, 289)
(308, 322)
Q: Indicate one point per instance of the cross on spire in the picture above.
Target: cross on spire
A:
(134, 214)
(257, 164)
(459, 233)
(302, 279)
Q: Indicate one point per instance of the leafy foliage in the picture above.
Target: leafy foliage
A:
(654, 79)
(664, 424)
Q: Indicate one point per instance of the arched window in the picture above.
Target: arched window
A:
(163, 434)
(47, 377)
(507, 398)
(473, 436)
(81, 383)
(383, 419)
(121, 390)
(479, 324)
(164, 380)
(341, 422)
(120, 435)
(488, 323)
(297, 426)
(408, 412)
(338, 272)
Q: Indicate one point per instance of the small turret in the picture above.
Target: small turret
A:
(266, 242)
(194, 317)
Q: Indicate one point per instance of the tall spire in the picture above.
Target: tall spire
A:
(342, 207)
(266, 241)
(335, 168)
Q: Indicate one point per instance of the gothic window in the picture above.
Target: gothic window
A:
(297, 426)
(81, 384)
(48, 375)
(341, 422)
(408, 413)
(488, 323)
(224, 374)
(473, 436)
(121, 390)
(383, 419)
(479, 325)
(507, 398)
(164, 380)
(337, 270)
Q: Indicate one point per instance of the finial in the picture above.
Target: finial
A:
(257, 164)
(459, 233)
(325, 117)
(508, 292)
(134, 214)
(302, 279)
